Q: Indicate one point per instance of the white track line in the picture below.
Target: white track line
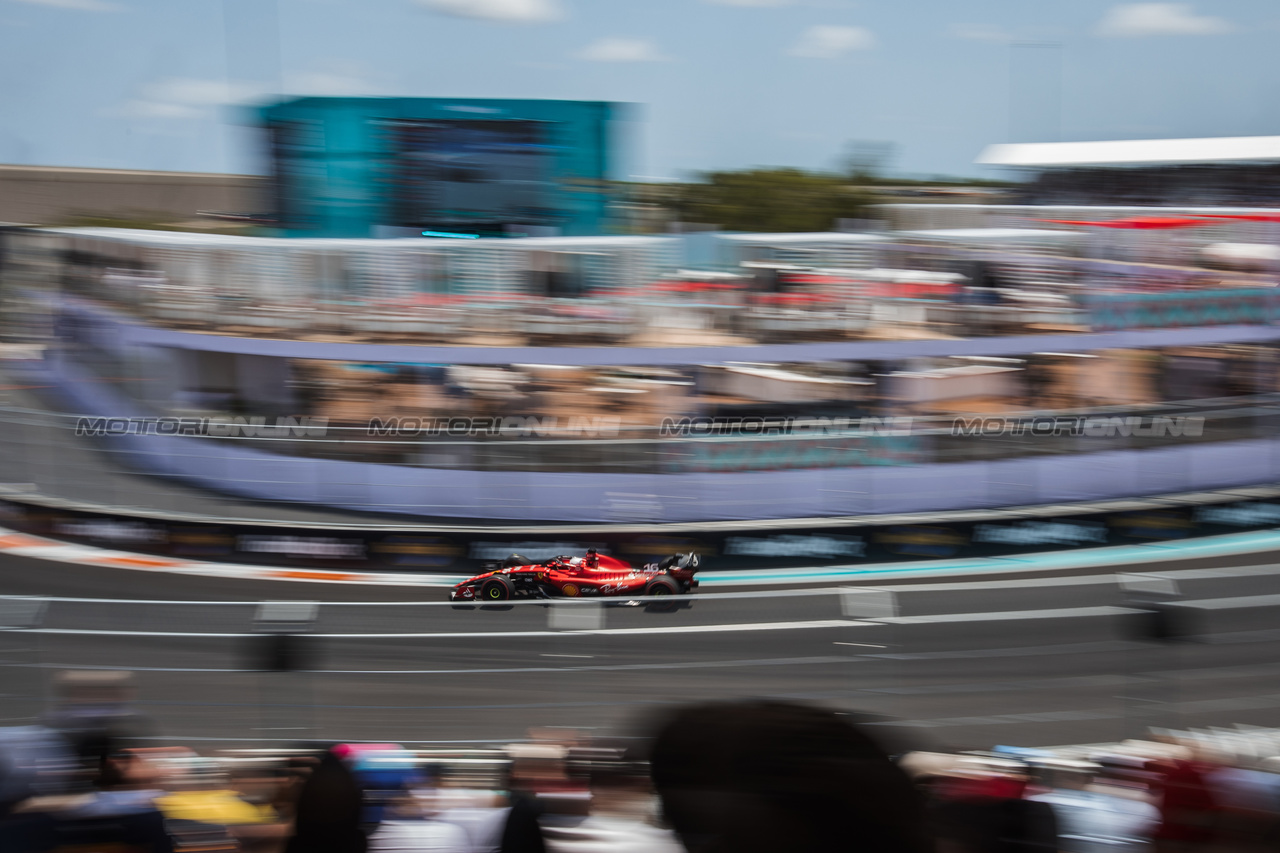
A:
(627, 667)
(473, 635)
(1008, 615)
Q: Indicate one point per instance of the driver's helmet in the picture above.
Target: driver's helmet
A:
(592, 559)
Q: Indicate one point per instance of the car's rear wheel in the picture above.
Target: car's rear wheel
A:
(495, 589)
(661, 586)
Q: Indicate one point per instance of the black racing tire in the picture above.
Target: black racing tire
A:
(495, 589)
(662, 586)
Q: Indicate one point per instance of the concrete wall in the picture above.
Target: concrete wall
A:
(48, 195)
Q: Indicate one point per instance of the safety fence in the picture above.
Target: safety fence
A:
(679, 445)
(821, 468)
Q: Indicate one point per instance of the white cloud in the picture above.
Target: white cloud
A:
(830, 41)
(330, 83)
(981, 32)
(81, 5)
(510, 11)
(621, 50)
(1135, 20)
(139, 108)
(186, 97)
(337, 77)
(198, 92)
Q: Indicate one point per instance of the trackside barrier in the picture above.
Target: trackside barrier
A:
(281, 646)
(22, 687)
(1158, 616)
(868, 603)
(19, 612)
(877, 468)
(1148, 585)
(575, 616)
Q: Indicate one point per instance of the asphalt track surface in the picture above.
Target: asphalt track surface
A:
(1030, 659)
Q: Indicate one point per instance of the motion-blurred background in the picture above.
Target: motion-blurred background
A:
(945, 337)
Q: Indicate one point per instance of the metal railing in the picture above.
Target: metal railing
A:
(33, 438)
(431, 476)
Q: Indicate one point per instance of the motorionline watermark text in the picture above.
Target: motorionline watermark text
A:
(596, 426)
(1094, 426)
(685, 427)
(229, 427)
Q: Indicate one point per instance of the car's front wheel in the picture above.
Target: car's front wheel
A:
(495, 589)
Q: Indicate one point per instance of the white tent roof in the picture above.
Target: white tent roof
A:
(1225, 149)
(979, 235)
(192, 239)
(778, 238)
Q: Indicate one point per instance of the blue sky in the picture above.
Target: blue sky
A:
(148, 84)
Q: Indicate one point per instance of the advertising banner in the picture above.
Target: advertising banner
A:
(457, 551)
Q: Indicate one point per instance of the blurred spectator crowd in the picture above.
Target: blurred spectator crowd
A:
(1232, 184)
(737, 776)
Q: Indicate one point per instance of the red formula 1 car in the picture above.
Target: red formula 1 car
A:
(578, 577)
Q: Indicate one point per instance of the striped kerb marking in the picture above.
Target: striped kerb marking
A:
(1111, 557)
(148, 562)
(17, 540)
(316, 576)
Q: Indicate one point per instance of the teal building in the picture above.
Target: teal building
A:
(395, 167)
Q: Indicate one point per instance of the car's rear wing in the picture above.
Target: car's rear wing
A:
(681, 566)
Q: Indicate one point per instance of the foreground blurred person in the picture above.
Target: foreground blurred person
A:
(94, 712)
(35, 766)
(1091, 819)
(330, 810)
(115, 812)
(203, 812)
(980, 805)
(621, 815)
(772, 776)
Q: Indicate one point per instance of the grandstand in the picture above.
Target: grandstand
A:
(1213, 171)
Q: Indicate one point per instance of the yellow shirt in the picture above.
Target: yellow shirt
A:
(222, 807)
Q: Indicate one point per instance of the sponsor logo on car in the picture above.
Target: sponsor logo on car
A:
(569, 589)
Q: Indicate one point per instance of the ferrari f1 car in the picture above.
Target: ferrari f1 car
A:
(591, 576)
